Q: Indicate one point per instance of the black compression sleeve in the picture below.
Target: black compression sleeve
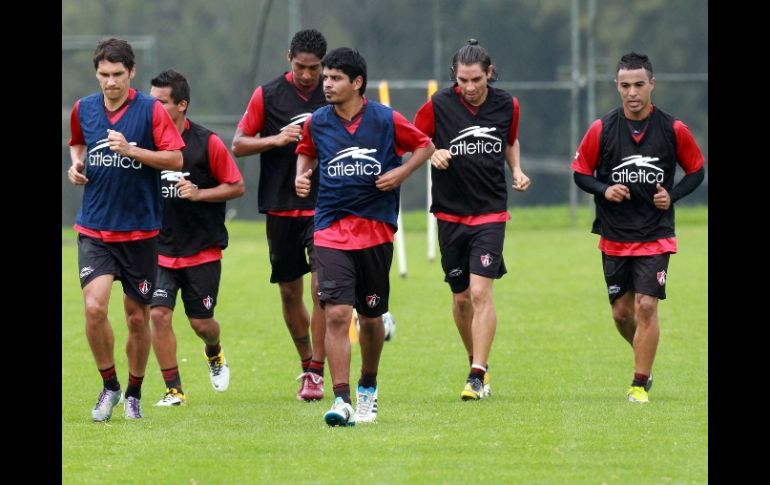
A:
(590, 184)
(688, 183)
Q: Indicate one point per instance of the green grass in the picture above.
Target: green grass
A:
(559, 375)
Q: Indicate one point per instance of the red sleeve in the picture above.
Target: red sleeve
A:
(76, 133)
(222, 165)
(424, 119)
(306, 145)
(254, 117)
(164, 132)
(587, 155)
(514, 132)
(687, 151)
(408, 137)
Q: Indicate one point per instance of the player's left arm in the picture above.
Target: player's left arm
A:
(224, 169)
(691, 160)
(513, 156)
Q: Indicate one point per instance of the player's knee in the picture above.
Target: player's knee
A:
(96, 311)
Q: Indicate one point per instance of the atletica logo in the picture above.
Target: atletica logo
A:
(637, 169)
(297, 120)
(354, 161)
(170, 191)
(461, 146)
(101, 159)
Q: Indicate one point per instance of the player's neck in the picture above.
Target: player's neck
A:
(113, 106)
(350, 108)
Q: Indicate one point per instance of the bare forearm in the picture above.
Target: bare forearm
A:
(222, 192)
(418, 157)
(160, 160)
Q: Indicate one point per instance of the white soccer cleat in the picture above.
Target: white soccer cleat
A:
(366, 405)
(219, 371)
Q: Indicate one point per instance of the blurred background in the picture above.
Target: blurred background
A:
(556, 56)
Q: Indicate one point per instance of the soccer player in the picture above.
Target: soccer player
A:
(628, 159)
(120, 140)
(192, 239)
(475, 129)
(354, 147)
(272, 126)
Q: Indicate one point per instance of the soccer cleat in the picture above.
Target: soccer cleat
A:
(132, 408)
(487, 389)
(312, 387)
(366, 405)
(340, 414)
(172, 397)
(648, 386)
(474, 390)
(637, 394)
(219, 371)
(104, 404)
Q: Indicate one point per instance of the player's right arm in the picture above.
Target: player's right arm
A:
(307, 161)
(247, 139)
(75, 172)
(585, 162)
(77, 149)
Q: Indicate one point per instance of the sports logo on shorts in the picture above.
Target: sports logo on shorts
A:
(613, 289)
(455, 272)
(207, 302)
(662, 277)
(87, 270)
(159, 293)
(144, 287)
(486, 260)
(372, 300)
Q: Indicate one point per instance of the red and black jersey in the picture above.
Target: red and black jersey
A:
(189, 227)
(639, 162)
(475, 182)
(284, 106)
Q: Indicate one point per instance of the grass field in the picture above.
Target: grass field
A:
(559, 375)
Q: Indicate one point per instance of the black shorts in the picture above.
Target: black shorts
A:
(287, 240)
(133, 263)
(471, 249)
(199, 285)
(359, 277)
(642, 274)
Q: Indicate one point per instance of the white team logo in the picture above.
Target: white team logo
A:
(173, 176)
(354, 161)
(478, 132)
(160, 293)
(483, 142)
(99, 158)
(297, 120)
(455, 272)
(613, 289)
(637, 169)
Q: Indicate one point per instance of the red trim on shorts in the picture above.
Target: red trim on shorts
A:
(293, 213)
(473, 220)
(647, 248)
(206, 256)
(115, 236)
(353, 232)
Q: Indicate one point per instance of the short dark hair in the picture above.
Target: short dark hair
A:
(310, 41)
(632, 61)
(472, 53)
(114, 50)
(180, 88)
(349, 61)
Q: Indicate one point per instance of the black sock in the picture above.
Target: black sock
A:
(368, 379)
(134, 388)
(343, 391)
(213, 350)
(110, 378)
